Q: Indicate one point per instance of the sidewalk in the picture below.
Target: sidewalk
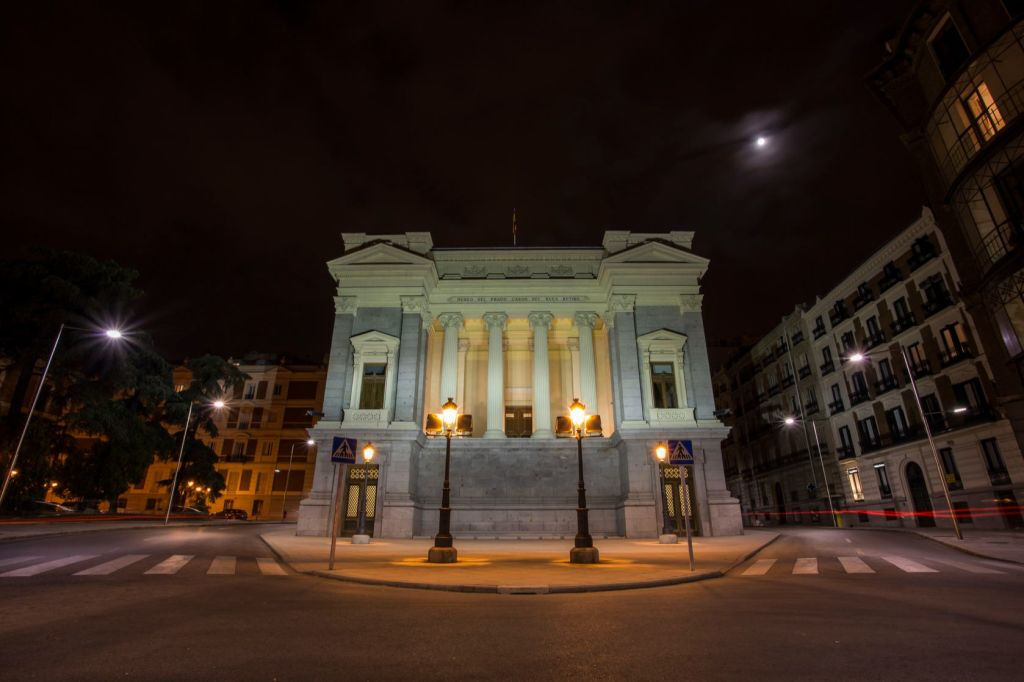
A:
(517, 566)
(14, 531)
(1005, 545)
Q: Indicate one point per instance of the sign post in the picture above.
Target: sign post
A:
(343, 451)
(681, 454)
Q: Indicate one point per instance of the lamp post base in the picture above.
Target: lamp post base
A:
(584, 555)
(360, 539)
(668, 538)
(442, 555)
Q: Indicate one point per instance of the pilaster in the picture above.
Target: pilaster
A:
(496, 323)
(540, 322)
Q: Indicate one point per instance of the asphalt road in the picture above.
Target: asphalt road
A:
(910, 609)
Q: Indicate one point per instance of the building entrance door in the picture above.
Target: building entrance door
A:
(677, 497)
(518, 421)
(351, 505)
(780, 503)
(919, 496)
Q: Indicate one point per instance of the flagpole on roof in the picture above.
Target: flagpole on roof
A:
(513, 226)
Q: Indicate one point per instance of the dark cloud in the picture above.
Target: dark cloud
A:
(220, 148)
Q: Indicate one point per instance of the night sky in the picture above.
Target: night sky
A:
(220, 148)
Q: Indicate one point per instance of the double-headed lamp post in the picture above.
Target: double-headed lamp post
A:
(287, 477)
(443, 552)
(862, 357)
(111, 334)
(368, 453)
(790, 421)
(583, 551)
(217, 405)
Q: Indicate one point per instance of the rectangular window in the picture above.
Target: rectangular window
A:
(854, 477)
(826, 355)
(884, 489)
(257, 417)
(260, 478)
(846, 439)
(859, 384)
(848, 341)
(953, 479)
(233, 477)
(246, 480)
(261, 390)
(268, 448)
(969, 394)
(250, 391)
(232, 422)
(994, 463)
(885, 370)
(984, 111)
(229, 504)
(868, 429)
(371, 397)
(900, 308)
(872, 325)
(663, 384)
(949, 50)
(933, 412)
(302, 390)
(151, 504)
(897, 421)
(277, 389)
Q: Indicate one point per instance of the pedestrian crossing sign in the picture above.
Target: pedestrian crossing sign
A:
(680, 452)
(343, 451)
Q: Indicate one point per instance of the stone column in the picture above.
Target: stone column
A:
(588, 378)
(451, 322)
(496, 323)
(540, 322)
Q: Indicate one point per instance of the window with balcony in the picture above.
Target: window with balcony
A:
(884, 489)
(845, 443)
(994, 464)
(827, 365)
(848, 341)
(936, 295)
(858, 388)
(863, 297)
(839, 312)
(948, 49)
(899, 429)
(921, 251)
(250, 391)
(853, 476)
(970, 395)
(886, 377)
(836, 406)
(933, 413)
(869, 436)
(811, 406)
(890, 276)
(953, 479)
(983, 110)
(875, 335)
(919, 364)
(953, 341)
(903, 319)
(819, 327)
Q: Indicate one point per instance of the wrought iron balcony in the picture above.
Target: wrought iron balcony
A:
(901, 324)
(804, 371)
(837, 315)
(827, 368)
(811, 407)
(876, 339)
(921, 255)
(835, 407)
(891, 279)
(886, 384)
(951, 356)
(921, 368)
(788, 381)
(797, 338)
(870, 444)
(819, 331)
(845, 452)
(936, 303)
(862, 299)
(858, 397)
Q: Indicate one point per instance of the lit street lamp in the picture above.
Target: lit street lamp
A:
(861, 357)
(217, 405)
(443, 552)
(287, 477)
(681, 502)
(361, 538)
(790, 421)
(113, 334)
(584, 551)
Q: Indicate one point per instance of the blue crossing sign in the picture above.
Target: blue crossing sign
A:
(680, 452)
(343, 451)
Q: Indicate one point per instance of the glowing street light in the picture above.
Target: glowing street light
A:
(218, 404)
(177, 470)
(790, 421)
(114, 334)
(583, 551)
(443, 551)
(11, 471)
(287, 477)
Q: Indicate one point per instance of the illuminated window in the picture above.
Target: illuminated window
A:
(983, 110)
(372, 395)
(663, 384)
(858, 492)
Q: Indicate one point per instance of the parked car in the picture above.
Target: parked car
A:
(239, 514)
(41, 508)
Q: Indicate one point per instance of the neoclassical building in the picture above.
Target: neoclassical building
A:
(513, 335)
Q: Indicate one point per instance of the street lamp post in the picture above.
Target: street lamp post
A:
(682, 508)
(361, 537)
(112, 334)
(669, 535)
(443, 552)
(861, 357)
(287, 478)
(218, 404)
(789, 421)
(583, 551)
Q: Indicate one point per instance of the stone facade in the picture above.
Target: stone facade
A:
(513, 336)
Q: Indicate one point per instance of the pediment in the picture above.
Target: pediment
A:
(656, 252)
(374, 340)
(379, 253)
(661, 338)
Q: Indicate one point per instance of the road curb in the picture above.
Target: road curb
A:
(534, 589)
(113, 527)
(966, 550)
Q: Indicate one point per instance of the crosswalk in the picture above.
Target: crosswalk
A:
(27, 566)
(858, 564)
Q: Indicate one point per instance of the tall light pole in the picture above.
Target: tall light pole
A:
(583, 551)
(789, 421)
(861, 357)
(218, 404)
(112, 334)
(361, 537)
(287, 477)
(443, 551)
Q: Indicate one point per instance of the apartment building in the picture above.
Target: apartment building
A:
(904, 298)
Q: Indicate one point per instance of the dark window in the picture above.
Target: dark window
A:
(846, 439)
(969, 394)
(663, 384)
(933, 412)
(261, 390)
(901, 309)
(1010, 185)
(227, 447)
(287, 446)
(277, 389)
(848, 341)
(868, 432)
(897, 421)
(295, 480)
(953, 479)
(246, 480)
(296, 417)
(872, 325)
(884, 489)
(250, 391)
(949, 50)
(301, 390)
(257, 417)
(371, 397)
(885, 369)
(826, 355)
(994, 463)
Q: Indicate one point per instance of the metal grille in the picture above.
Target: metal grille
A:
(371, 500)
(670, 501)
(353, 501)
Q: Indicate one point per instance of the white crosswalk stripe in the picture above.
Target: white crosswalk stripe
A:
(1004, 565)
(170, 565)
(908, 565)
(969, 567)
(222, 565)
(36, 569)
(269, 566)
(17, 560)
(854, 564)
(109, 567)
(759, 567)
(806, 566)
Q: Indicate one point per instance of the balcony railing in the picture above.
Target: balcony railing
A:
(951, 356)
(862, 299)
(837, 315)
(870, 444)
(780, 350)
(835, 407)
(819, 332)
(997, 244)
(890, 280)
(901, 324)
(858, 397)
(920, 257)
(787, 381)
(999, 476)
(885, 384)
(937, 303)
(921, 368)
(811, 407)
(876, 339)
(845, 452)
(827, 368)
(236, 458)
(797, 338)
(804, 371)
(774, 390)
